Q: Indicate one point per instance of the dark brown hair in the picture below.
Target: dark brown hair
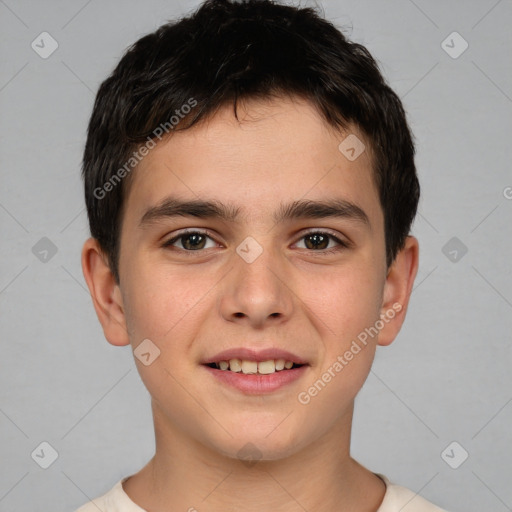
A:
(226, 51)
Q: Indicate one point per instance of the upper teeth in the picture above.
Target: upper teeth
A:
(248, 367)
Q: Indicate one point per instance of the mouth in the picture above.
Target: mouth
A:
(249, 367)
(256, 372)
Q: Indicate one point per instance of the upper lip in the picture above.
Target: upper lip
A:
(249, 354)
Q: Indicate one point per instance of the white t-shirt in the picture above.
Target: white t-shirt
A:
(396, 499)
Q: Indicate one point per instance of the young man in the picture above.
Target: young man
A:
(250, 186)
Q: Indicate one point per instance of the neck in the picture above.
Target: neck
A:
(190, 476)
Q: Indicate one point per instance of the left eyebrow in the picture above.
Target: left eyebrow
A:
(307, 209)
(303, 209)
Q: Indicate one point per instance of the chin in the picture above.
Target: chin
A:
(260, 446)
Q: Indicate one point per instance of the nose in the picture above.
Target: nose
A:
(257, 291)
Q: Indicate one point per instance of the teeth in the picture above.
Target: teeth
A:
(249, 367)
(253, 367)
(266, 367)
(235, 365)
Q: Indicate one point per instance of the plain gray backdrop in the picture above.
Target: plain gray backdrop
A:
(442, 391)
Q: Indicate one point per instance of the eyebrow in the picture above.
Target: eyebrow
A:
(302, 209)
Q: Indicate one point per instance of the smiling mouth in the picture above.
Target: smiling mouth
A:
(247, 367)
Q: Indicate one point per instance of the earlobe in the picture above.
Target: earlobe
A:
(105, 293)
(397, 290)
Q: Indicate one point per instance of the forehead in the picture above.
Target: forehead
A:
(277, 149)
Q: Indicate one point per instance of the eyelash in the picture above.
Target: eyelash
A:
(342, 244)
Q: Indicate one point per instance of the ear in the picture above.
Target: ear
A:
(105, 293)
(397, 291)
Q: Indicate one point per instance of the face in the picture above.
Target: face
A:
(268, 283)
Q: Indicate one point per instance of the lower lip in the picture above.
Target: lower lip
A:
(255, 384)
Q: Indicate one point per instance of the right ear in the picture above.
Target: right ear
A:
(105, 293)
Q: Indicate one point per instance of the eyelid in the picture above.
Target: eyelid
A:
(326, 231)
(342, 241)
(176, 236)
(339, 239)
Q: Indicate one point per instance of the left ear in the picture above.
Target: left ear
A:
(397, 291)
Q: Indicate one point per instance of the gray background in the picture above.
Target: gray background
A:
(446, 377)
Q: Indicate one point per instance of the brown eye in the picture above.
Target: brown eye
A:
(318, 241)
(190, 241)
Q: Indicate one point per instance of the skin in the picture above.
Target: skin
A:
(194, 304)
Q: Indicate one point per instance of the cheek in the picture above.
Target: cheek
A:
(346, 299)
(347, 303)
(159, 301)
(162, 307)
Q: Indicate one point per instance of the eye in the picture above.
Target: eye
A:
(190, 240)
(318, 241)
